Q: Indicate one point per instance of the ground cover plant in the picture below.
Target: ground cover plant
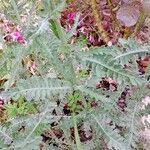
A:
(74, 75)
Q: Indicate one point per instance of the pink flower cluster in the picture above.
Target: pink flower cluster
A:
(11, 32)
(70, 17)
(1, 103)
(87, 25)
(15, 36)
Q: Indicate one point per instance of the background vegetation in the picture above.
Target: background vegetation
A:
(74, 75)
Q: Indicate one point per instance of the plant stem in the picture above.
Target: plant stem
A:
(13, 2)
(77, 138)
(140, 21)
(126, 32)
(116, 23)
(98, 19)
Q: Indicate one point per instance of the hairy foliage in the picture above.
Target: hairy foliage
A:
(57, 78)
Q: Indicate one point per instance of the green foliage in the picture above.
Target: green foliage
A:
(36, 96)
(38, 88)
(20, 108)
